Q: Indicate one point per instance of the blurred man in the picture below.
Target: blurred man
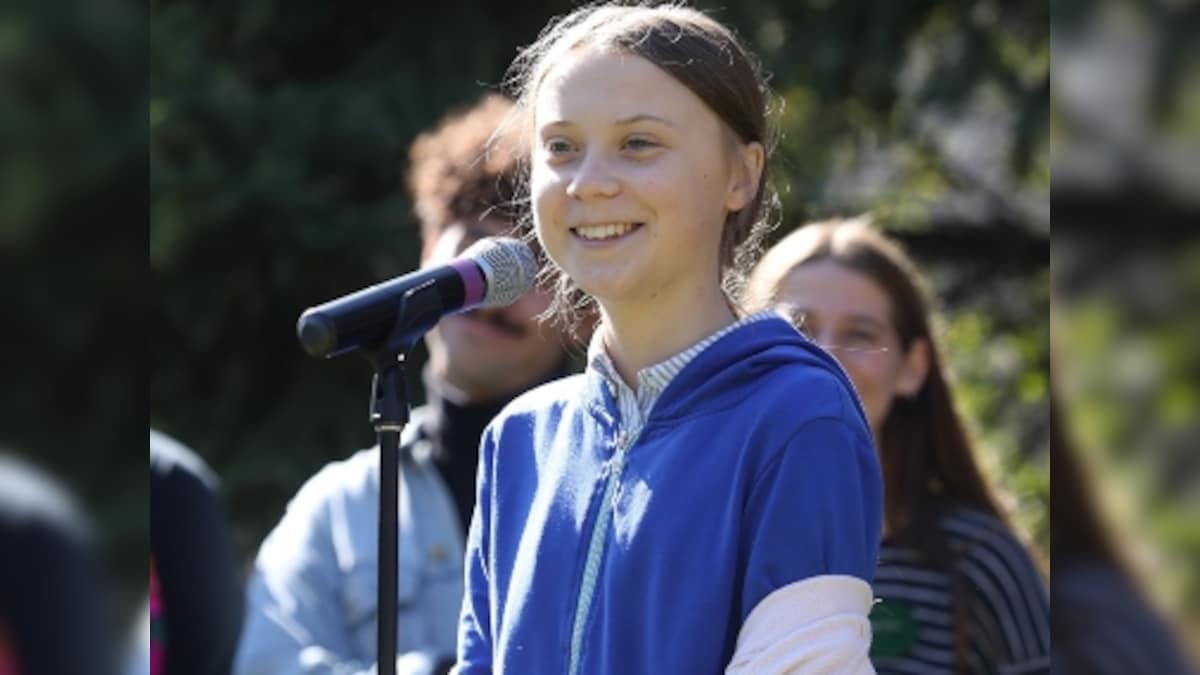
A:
(312, 600)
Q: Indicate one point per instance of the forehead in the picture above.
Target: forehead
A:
(592, 83)
(834, 291)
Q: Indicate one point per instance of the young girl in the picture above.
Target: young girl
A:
(705, 497)
(958, 591)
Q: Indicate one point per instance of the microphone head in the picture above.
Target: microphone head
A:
(317, 332)
(508, 265)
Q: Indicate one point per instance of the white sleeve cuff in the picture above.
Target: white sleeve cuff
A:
(816, 625)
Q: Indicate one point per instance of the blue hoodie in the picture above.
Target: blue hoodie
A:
(592, 551)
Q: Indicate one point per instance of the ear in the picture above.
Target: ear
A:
(914, 369)
(747, 172)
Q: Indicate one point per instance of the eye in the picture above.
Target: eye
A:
(861, 338)
(558, 146)
(639, 143)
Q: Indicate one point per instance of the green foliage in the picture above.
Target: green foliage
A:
(1129, 369)
(72, 162)
(1002, 388)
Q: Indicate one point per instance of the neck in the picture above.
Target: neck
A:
(637, 336)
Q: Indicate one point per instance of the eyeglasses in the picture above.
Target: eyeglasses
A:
(842, 349)
(854, 352)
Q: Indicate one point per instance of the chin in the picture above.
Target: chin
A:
(605, 288)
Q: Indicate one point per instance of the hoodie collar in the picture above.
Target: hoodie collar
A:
(728, 370)
(633, 406)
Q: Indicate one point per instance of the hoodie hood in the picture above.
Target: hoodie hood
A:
(727, 371)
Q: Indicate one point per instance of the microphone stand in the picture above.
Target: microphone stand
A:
(389, 413)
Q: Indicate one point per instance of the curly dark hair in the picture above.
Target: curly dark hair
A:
(458, 172)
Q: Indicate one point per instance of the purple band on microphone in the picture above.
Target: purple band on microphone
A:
(474, 285)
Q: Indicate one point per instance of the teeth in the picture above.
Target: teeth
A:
(604, 231)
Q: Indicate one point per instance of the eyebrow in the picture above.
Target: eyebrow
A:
(850, 318)
(642, 117)
(869, 320)
(623, 122)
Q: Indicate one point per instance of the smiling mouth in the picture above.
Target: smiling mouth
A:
(604, 231)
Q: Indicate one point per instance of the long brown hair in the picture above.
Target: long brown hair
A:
(707, 58)
(1077, 527)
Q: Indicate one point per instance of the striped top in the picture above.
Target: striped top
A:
(652, 380)
(1008, 612)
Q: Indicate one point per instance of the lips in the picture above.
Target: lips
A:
(604, 231)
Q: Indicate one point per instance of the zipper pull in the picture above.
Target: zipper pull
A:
(620, 440)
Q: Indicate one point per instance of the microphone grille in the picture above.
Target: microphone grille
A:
(508, 266)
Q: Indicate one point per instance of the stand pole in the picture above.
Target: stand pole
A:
(389, 414)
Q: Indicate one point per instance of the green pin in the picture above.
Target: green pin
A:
(893, 628)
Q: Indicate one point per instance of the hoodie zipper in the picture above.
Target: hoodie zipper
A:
(591, 569)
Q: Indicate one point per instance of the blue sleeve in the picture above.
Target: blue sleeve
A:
(815, 509)
(475, 620)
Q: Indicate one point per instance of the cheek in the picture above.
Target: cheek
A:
(862, 379)
(871, 379)
(545, 206)
(528, 306)
(545, 192)
(666, 192)
(695, 194)
(672, 177)
(875, 381)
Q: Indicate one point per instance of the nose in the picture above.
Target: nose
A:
(593, 178)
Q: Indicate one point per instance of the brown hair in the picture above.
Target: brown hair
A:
(1078, 531)
(458, 172)
(703, 55)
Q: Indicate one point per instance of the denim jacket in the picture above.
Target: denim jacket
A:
(312, 596)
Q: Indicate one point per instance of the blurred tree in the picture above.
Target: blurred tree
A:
(72, 198)
(1126, 203)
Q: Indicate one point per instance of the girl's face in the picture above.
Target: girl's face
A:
(850, 315)
(632, 177)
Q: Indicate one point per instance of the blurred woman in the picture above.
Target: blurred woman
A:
(957, 590)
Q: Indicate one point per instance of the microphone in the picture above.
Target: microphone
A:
(492, 272)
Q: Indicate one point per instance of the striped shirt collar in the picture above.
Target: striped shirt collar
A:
(651, 380)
